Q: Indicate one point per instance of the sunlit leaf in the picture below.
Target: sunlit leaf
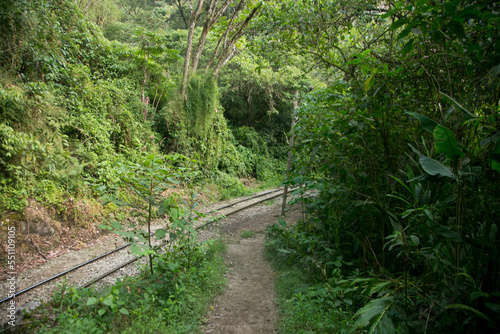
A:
(108, 301)
(135, 249)
(92, 301)
(369, 83)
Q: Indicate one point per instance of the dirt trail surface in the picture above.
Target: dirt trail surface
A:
(247, 303)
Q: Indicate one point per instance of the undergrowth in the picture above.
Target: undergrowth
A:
(306, 304)
(173, 300)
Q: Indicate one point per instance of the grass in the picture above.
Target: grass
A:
(304, 305)
(173, 300)
(245, 234)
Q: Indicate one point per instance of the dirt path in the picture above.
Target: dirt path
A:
(247, 303)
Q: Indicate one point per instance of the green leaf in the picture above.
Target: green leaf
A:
(398, 23)
(175, 213)
(105, 227)
(116, 225)
(467, 114)
(434, 167)
(415, 240)
(475, 295)
(467, 308)
(136, 250)
(124, 311)
(101, 311)
(92, 301)
(108, 301)
(376, 314)
(446, 143)
(160, 233)
(162, 209)
(389, 13)
(494, 307)
(427, 124)
(495, 164)
(408, 47)
(369, 83)
(173, 266)
(452, 235)
(126, 234)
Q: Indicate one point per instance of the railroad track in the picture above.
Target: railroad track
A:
(232, 208)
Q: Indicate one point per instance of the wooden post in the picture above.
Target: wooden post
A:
(289, 163)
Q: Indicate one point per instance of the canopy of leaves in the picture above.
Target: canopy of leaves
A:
(411, 201)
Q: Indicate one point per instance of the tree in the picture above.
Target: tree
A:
(408, 201)
(234, 31)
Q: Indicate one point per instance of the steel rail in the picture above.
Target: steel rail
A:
(197, 228)
(63, 273)
(127, 245)
(243, 200)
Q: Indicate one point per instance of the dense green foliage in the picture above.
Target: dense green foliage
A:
(173, 300)
(398, 141)
(76, 104)
(402, 149)
(69, 104)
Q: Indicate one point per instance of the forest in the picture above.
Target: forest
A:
(110, 103)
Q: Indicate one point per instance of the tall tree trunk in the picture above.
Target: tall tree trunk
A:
(229, 49)
(194, 17)
(225, 36)
(213, 15)
(289, 162)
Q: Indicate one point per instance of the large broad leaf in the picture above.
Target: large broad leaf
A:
(376, 314)
(446, 143)
(434, 167)
(91, 301)
(426, 123)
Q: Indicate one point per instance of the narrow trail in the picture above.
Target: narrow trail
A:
(247, 304)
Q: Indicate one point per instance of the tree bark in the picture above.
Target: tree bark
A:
(229, 49)
(213, 15)
(194, 17)
(225, 36)
(289, 162)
